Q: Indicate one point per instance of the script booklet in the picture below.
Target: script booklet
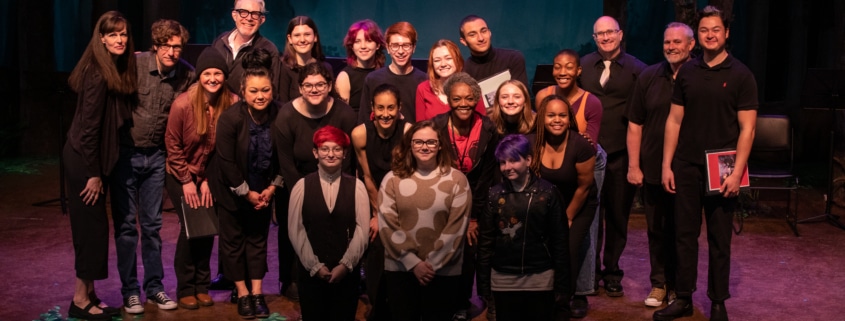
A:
(200, 221)
(720, 165)
(489, 86)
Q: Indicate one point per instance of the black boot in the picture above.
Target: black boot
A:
(245, 308)
(682, 307)
(718, 312)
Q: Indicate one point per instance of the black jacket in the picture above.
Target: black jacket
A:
(523, 233)
(485, 168)
(229, 167)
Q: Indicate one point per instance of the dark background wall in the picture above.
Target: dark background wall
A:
(779, 42)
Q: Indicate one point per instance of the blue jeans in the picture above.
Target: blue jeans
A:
(585, 284)
(136, 196)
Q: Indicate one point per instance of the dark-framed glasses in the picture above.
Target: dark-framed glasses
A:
(246, 13)
(320, 86)
(397, 46)
(608, 33)
(418, 143)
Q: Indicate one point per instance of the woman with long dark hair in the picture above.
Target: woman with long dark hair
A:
(302, 47)
(104, 79)
(190, 139)
(245, 180)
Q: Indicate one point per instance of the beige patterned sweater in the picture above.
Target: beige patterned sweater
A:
(424, 218)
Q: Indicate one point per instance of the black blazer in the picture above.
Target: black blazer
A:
(229, 166)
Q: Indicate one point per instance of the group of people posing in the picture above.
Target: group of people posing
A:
(404, 173)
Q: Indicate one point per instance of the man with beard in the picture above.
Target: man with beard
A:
(139, 174)
(714, 106)
(610, 74)
(484, 60)
(248, 15)
(647, 112)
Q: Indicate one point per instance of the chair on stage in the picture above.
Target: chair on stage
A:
(771, 162)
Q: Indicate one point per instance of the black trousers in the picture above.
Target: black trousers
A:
(320, 300)
(287, 257)
(409, 300)
(468, 274)
(718, 213)
(89, 224)
(524, 305)
(192, 257)
(243, 242)
(616, 200)
(578, 234)
(660, 217)
(374, 271)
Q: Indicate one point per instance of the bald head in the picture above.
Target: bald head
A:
(608, 36)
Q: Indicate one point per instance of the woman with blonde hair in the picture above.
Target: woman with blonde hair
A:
(511, 111)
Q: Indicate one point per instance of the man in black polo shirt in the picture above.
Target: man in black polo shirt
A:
(610, 74)
(714, 106)
(486, 61)
(647, 112)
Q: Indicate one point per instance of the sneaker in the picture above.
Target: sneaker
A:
(133, 305)
(461, 315)
(655, 298)
(163, 301)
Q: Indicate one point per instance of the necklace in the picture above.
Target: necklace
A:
(253, 117)
(461, 155)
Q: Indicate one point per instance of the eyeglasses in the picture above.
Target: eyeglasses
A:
(326, 150)
(246, 13)
(165, 47)
(608, 33)
(418, 143)
(320, 86)
(396, 46)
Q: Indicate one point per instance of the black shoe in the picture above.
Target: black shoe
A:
(245, 308)
(613, 288)
(260, 306)
(221, 283)
(682, 307)
(718, 312)
(234, 297)
(112, 311)
(80, 313)
(579, 306)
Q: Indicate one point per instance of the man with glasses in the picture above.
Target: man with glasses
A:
(610, 74)
(401, 43)
(138, 178)
(248, 15)
(484, 60)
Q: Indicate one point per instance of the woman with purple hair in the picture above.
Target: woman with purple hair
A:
(364, 44)
(523, 243)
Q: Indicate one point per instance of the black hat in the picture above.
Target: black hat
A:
(210, 58)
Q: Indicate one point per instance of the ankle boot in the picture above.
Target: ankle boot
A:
(718, 312)
(682, 307)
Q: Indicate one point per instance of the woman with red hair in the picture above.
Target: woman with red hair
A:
(364, 44)
(444, 60)
(329, 237)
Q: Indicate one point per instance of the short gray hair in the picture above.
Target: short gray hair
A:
(684, 26)
(462, 78)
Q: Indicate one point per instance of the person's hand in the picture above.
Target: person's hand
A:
(324, 274)
(730, 187)
(635, 176)
(338, 273)
(424, 272)
(588, 138)
(267, 195)
(255, 199)
(206, 199)
(91, 193)
(570, 222)
(189, 189)
(668, 180)
(472, 232)
(373, 228)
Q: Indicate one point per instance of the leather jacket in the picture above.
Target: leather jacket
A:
(524, 233)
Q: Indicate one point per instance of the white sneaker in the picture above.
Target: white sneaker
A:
(163, 301)
(133, 305)
(655, 298)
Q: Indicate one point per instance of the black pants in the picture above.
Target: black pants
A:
(191, 261)
(320, 300)
(524, 305)
(89, 224)
(468, 274)
(577, 235)
(376, 291)
(287, 257)
(243, 242)
(616, 199)
(409, 300)
(659, 213)
(718, 213)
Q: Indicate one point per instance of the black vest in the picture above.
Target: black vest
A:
(329, 232)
